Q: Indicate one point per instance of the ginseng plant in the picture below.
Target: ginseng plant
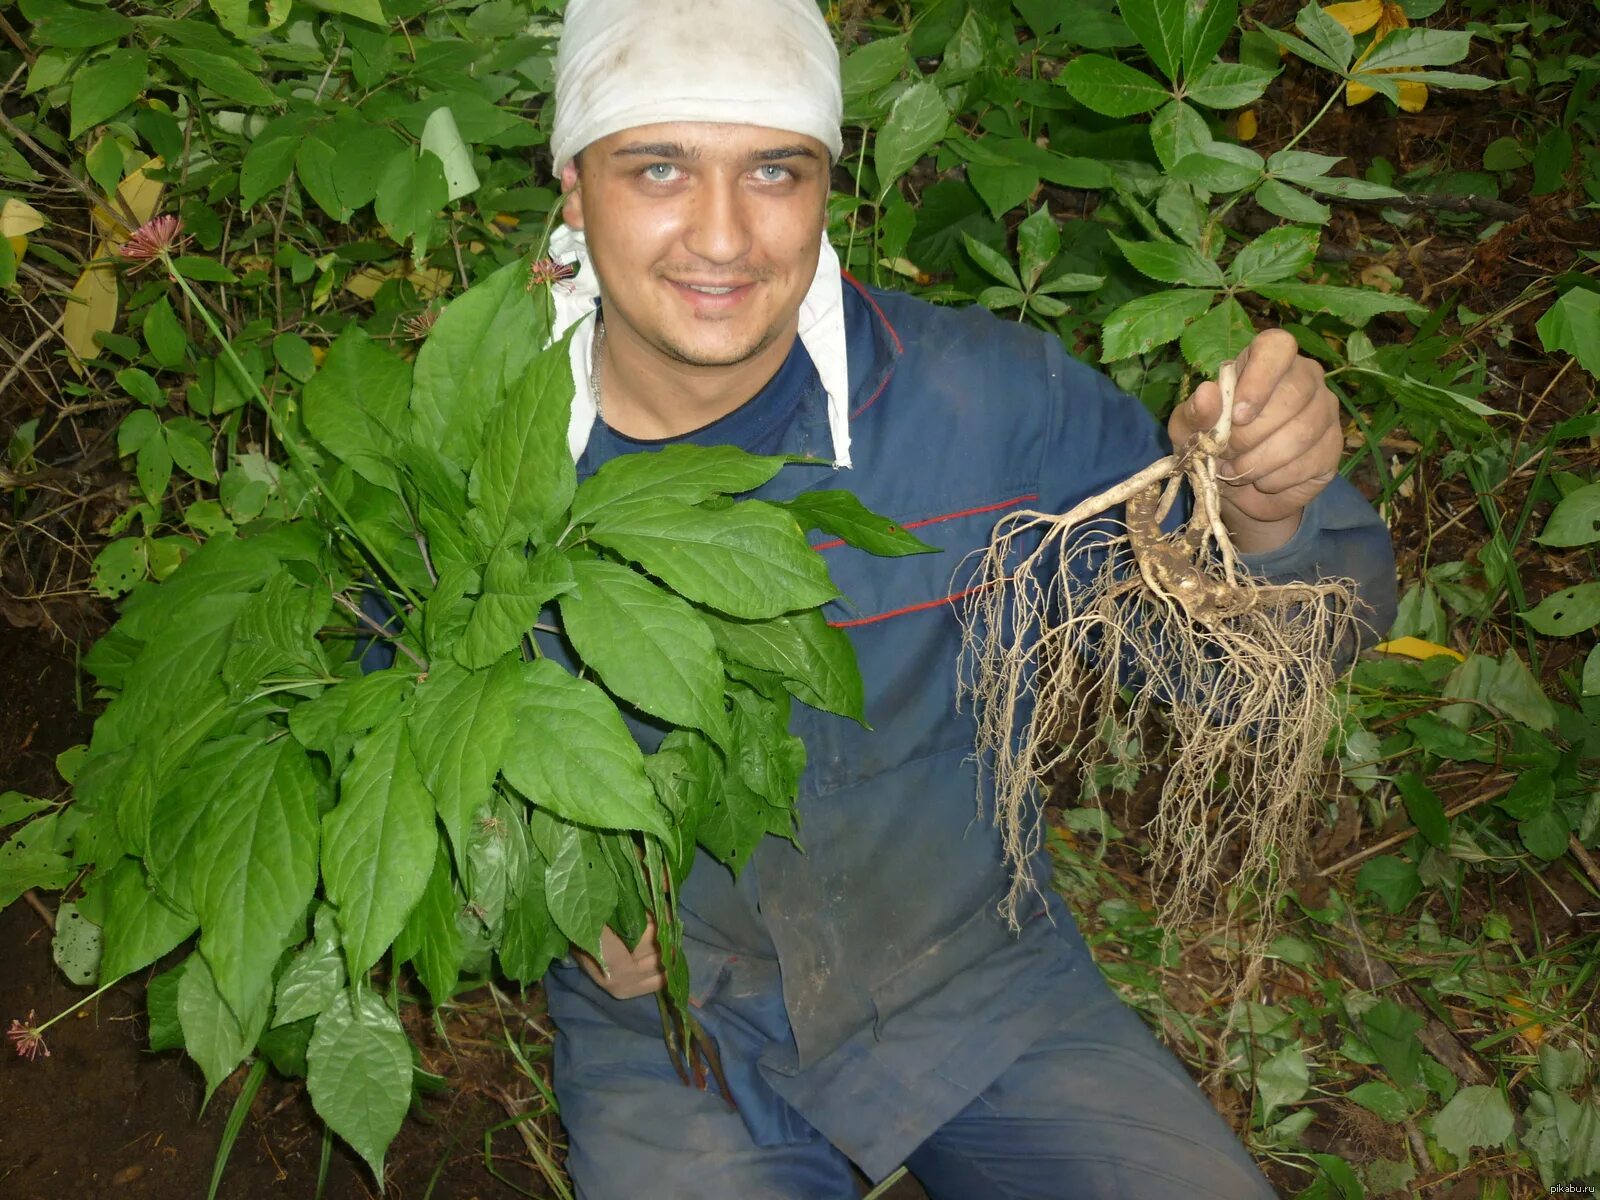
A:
(1072, 620)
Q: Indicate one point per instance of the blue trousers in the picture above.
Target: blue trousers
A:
(1096, 1110)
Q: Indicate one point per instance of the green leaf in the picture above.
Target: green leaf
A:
(432, 937)
(1546, 834)
(1424, 809)
(270, 158)
(1276, 255)
(255, 867)
(479, 348)
(686, 474)
(1160, 27)
(1207, 24)
(154, 469)
(1218, 337)
(442, 138)
(1003, 187)
(1567, 612)
(161, 1006)
(574, 757)
(76, 28)
(1281, 200)
(378, 844)
(137, 430)
(750, 560)
(1475, 1116)
(646, 645)
(1282, 1079)
(1111, 88)
(164, 335)
(579, 887)
(1178, 131)
(275, 632)
(213, 1036)
(314, 977)
(1169, 262)
(1038, 243)
(1394, 881)
(221, 74)
(139, 925)
(992, 261)
(104, 88)
(872, 66)
(524, 481)
(1141, 325)
(841, 515)
(370, 11)
(76, 945)
(815, 660)
(411, 191)
(356, 406)
(359, 1073)
(1328, 36)
(460, 724)
(531, 940)
(1573, 324)
(515, 588)
(1415, 47)
(1382, 1099)
(1220, 167)
(189, 443)
(353, 707)
(1228, 85)
(1355, 305)
(1391, 1031)
(915, 124)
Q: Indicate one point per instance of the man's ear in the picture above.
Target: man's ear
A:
(572, 196)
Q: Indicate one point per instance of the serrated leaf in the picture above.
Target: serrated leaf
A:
(460, 723)
(579, 887)
(686, 474)
(749, 561)
(359, 1073)
(1207, 24)
(1573, 324)
(378, 844)
(1228, 85)
(352, 707)
(992, 261)
(840, 515)
(1220, 167)
(1160, 27)
(270, 158)
(1394, 881)
(139, 926)
(432, 940)
(1355, 305)
(646, 645)
(1475, 1116)
(574, 756)
(1276, 255)
(1281, 200)
(255, 865)
(1282, 1079)
(1176, 132)
(524, 480)
(1169, 262)
(356, 405)
(531, 940)
(1111, 88)
(1218, 337)
(1038, 243)
(213, 1035)
(515, 588)
(816, 661)
(1327, 35)
(161, 1007)
(1382, 1099)
(314, 976)
(916, 122)
(1150, 321)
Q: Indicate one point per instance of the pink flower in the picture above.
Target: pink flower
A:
(152, 239)
(28, 1040)
(419, 325)
(548, 271)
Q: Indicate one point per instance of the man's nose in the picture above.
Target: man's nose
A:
(719, 231)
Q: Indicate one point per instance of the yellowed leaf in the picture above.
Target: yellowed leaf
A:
(366, 282)
(429, 281)
(139, 195)
(91, 309)
(18, 219)
(1417, 648)
(1357, 17)
(1245, 127)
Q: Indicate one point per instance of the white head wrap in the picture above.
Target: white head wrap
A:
(770, 63)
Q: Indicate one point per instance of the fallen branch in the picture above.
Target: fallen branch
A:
(1406, 834)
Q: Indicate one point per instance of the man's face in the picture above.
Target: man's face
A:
(705, 237)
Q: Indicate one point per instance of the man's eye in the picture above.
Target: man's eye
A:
(772, 173)
(660, 172)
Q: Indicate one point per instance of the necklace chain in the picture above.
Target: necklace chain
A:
(594, 361)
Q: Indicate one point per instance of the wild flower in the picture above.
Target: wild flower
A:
(28, 1038)
(548, 272)
(152, 239)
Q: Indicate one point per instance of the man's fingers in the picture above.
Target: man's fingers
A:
(1318, 465)
(1262, 367)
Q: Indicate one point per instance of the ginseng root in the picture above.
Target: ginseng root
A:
(1076, 618)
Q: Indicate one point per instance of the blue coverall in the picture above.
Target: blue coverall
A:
(869, 1004)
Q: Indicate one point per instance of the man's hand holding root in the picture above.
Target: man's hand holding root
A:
(628, 973)
(1285, 444)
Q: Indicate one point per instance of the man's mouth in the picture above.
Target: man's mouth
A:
(708, 291)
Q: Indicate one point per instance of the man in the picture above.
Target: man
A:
(869, 1004)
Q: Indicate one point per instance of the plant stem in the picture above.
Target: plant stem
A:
(296, 453)
(77, 1004)
(1312, 124)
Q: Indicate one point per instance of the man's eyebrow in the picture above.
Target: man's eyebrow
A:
(780, 153)
(655, 150)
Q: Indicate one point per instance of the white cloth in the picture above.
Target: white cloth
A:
(626, 63)
(821, 333)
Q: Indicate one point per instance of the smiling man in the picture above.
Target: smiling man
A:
(870, 1006)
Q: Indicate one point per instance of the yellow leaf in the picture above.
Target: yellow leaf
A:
(1357, 17)
(1245, 126)
(138, 195)
(91, 309)
(1357, 93)
(18, 219)
(429, 281)
(1415, 647)
(1413, 95)
(1528, 1026)
(318, 353)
